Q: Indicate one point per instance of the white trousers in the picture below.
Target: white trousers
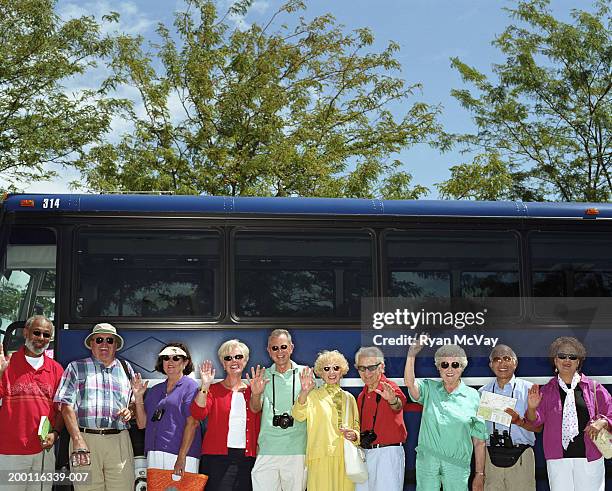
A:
(156, 459)
(576, 475)
(37, 463)
(279, 473)
(385, 469)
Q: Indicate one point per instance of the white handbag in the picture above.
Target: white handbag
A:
(603, 441)
(354, 457)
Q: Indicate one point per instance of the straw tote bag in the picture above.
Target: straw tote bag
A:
(354, 457)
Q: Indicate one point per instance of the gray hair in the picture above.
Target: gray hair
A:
(451, 351)
(577, 347)
(369, 352)
(502, 349)
(229, 345)
(279, 332)
(40, 319)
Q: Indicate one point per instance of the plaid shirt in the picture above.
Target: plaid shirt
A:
(96, 392)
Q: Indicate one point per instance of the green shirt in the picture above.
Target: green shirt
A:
(273, 440)
(449, 422)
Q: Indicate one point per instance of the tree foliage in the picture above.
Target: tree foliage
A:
(547, 115)
(268, 110)
(40, 122)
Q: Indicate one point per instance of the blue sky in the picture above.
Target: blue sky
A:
(429, 33)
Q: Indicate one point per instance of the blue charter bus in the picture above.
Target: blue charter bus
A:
(205, 269)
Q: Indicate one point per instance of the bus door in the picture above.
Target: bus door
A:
(27, 282)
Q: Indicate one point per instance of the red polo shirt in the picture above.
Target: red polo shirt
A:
(27, 394)
(389, 427)
(218, 405)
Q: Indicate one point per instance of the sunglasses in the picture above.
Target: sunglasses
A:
(235, 357)
(108, 340)
(446, 364)
(282, 347)
(563, 356)
(38, 334)
(369, 368)
(335, 368)
(499, 359)
(174, 358)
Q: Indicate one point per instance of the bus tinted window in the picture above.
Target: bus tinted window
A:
(571, 266)
(148, 274)
(451, 264)
(308, 275)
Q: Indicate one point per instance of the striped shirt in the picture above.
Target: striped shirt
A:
(97, 393)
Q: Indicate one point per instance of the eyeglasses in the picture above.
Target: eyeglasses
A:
(499, 359)
(446, 364)
(235, 357)
(282, 347)
(38, 334)
(174, 358)
(100, 340)
(369, 368)
(335, 368)
(563, 356)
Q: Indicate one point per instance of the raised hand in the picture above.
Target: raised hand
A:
(139, 387)
(420, 343)
(207, 374)
(307, 380)
(534, 397)
(388, 393)
(4, 360)
(257, 380)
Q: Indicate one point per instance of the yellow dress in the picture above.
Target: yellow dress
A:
(325, 444)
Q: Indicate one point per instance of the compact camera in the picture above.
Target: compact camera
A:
(157, 415)
(501, 440)
(283, 421)
(367, 438)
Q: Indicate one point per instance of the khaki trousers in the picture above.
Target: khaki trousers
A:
(112, 463)
(520, 476)
(38, 464)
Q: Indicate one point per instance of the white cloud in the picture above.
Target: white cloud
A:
(133, 20)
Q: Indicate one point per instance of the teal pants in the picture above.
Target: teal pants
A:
(432, 471)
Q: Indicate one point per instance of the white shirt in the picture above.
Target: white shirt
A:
(236, 436)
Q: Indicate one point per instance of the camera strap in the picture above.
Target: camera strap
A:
(292, 391)
(512, 396)
(378, 397)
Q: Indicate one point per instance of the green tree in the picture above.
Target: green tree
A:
(547, 114)
(269, 110)
(40, 122)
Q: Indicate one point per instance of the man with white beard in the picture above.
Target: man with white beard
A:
(28, 381)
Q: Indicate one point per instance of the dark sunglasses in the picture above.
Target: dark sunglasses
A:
(369, 368)
(108, 340)
(38, 334)
(335, 368)
(454, 364)
(282, 347)
(563, 356)
(235, 357)
(499, 359)
(174, 358)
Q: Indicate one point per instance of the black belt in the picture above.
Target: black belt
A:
(100, 431)
(381, 445)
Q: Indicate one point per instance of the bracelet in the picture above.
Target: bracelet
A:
(138, 402)
(204, 391)
(480, 473)
(396, 401)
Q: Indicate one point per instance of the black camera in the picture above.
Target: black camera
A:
(157, 415)
(367, 438)
(501, 440)
(283, 421)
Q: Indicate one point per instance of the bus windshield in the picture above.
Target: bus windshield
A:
(27, 279)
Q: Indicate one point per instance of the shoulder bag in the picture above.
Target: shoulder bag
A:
(354, 456)
(603, 441)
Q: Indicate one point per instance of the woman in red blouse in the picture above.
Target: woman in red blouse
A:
(230, 443)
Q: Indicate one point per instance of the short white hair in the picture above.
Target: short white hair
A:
(229, 345)
(451, 351)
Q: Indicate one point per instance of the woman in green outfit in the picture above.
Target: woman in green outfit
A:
(450, 430)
